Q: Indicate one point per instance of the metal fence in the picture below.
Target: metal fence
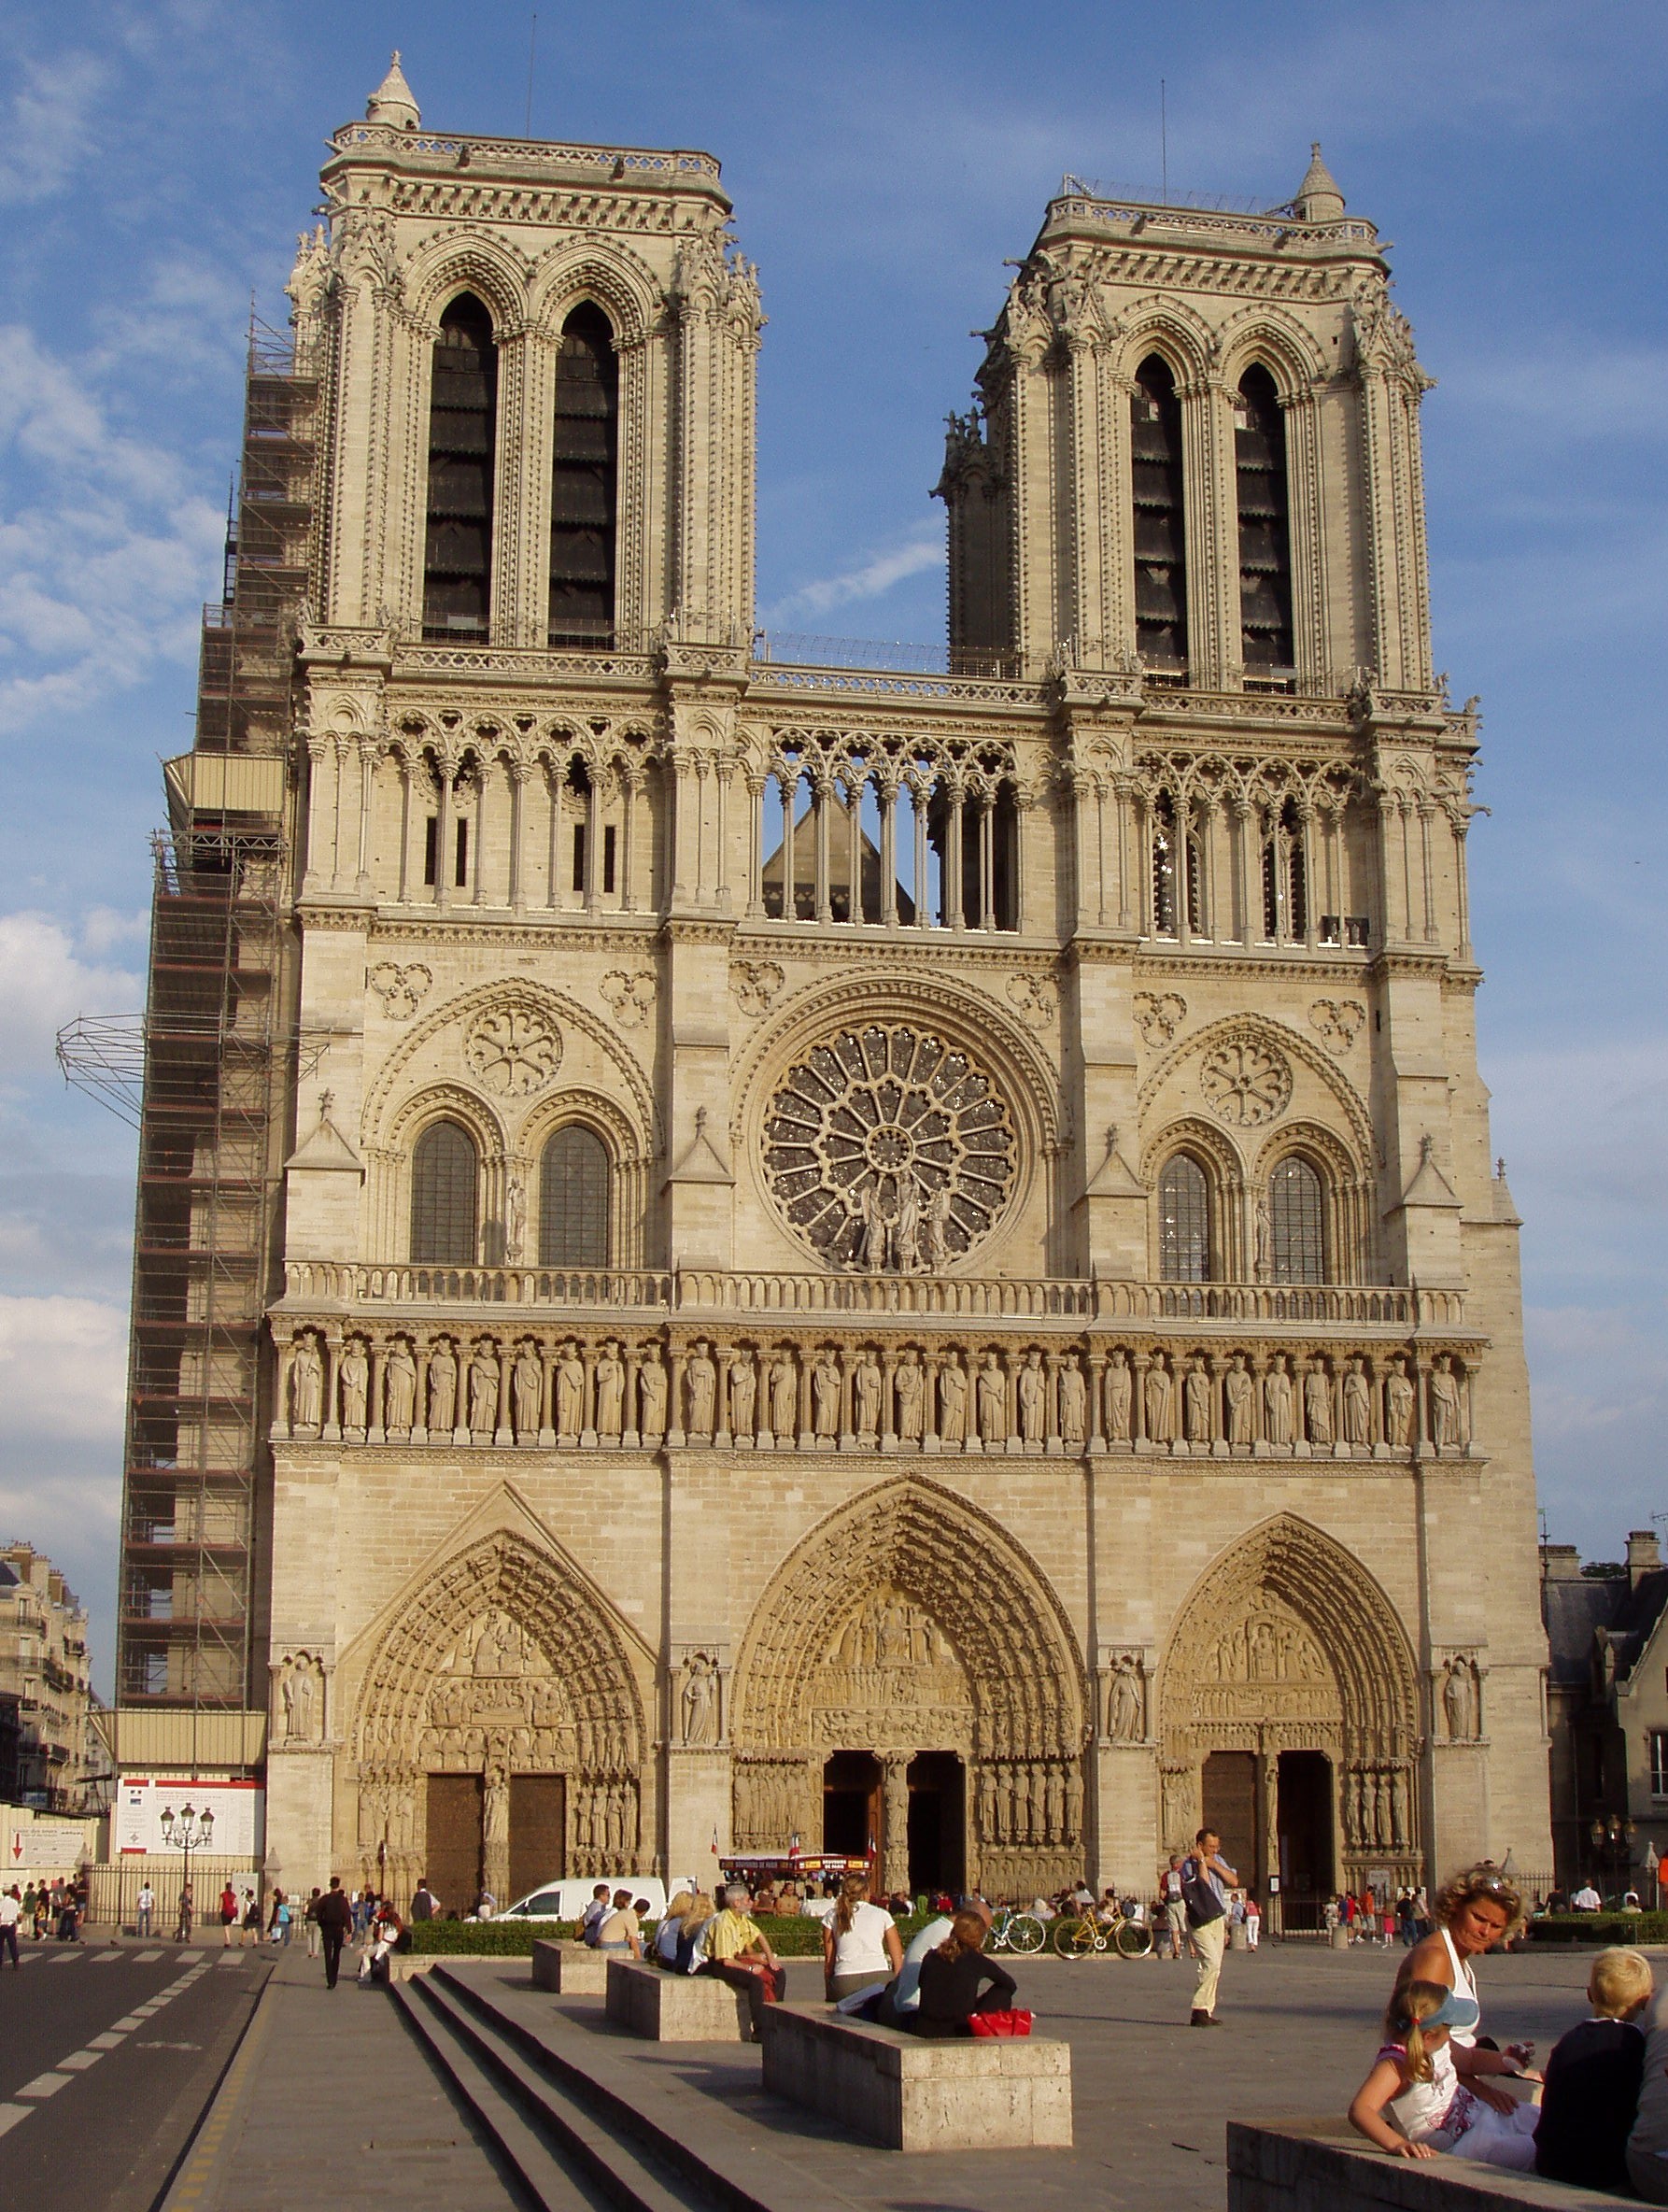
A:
(114, 1886)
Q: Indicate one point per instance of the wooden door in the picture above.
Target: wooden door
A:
(1230, 1807)
(538, 1832)
(454, 1864)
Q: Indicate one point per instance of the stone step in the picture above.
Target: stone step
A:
(577, 2132)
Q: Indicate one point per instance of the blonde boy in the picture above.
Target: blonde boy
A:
(1592, 2079)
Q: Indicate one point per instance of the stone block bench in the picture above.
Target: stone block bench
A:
(571, 1969)
(967, 2093)
(1296, 2165)
(674, 2007)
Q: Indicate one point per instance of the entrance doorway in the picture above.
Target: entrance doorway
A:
(538, 1832)
(454, 1845)
(1229, 1804)
(938, 1824)
(1304, 1817)
(853, 1811)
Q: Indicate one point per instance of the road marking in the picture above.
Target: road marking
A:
(78, 2061)
(65, 1958)
(126, 2024)
(11, 2114)
(45, 2085)
(229, 1957)
(190, 1958)
(146, 1958)
(103, 1958)
(108, 2040)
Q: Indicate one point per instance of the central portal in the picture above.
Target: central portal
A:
(937, 1824)
(853, 1806)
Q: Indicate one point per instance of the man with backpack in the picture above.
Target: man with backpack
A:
(1205, 1879)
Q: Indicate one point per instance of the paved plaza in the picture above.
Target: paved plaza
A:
(332, 2101)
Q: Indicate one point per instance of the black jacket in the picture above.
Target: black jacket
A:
(1589, 2105)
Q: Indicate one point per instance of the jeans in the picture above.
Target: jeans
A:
(143, 1929)
(9, 1942)
(332, 1956)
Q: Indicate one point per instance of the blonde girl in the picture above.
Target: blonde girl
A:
(1412, 2102)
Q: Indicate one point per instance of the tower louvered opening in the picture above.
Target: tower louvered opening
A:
(1160, 542)
(1264, 528)
(462, 456)
(583, 447)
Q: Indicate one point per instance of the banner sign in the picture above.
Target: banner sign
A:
(51, 1847)
(138, 1829)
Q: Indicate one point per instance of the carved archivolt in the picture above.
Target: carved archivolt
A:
(1253, 1044)
(889, 1150)
(910, 1568)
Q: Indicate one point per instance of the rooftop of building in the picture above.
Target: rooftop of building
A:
(1623, 1607)
(1311, 225)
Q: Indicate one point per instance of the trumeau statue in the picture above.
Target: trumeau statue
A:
(308, 1379)
(443, 1390)
(400, 1388)
(1119, 1389)
(742, 1393)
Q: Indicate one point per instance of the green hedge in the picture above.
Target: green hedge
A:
(1601, 1927)
(791, 1935)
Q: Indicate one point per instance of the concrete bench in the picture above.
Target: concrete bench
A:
(967, 2093)
(674, 2007)
(1298, 2165)
(571, 1969)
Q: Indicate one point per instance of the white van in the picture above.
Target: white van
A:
(567, 1900)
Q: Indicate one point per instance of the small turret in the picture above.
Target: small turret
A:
(391, 102)
(1318, 199)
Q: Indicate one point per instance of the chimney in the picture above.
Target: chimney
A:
(1561, 1563)
(1644, 1554)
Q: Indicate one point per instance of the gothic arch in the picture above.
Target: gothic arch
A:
(1281, 1038)
(1168, 327)
(1288, 1641)
(569, 1699)
(616, 279)
(450, 262)
(1290, 353)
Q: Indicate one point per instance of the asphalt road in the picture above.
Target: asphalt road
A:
(107, 2057)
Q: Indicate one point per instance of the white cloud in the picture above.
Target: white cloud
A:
(46, 130)
(63, 1370)
(45, 982)
(871, 577)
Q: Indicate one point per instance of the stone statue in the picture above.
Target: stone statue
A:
(1197, 1394)
(483, 1392)
(514, 1219)
(651, 1395)
(906, 1230)
(699, 1700)
(742, 1393)
(785, 1397)
(1032, 1393)
(355, 1384)
(1444, 1406)
(1074, 1403)
(1278, 1405)
(826, 1394)
(1119, 1385)
(302, 1686)
(1157, 1396)
(1398, 1405)
(935, 1229)
(443, 1389)
(569, 1392)
(1124, 1716)
(610, 1390)
(400, 1387)
(703, 1390)
(865, 1397)
(953, 1403)
(529, 1391)
(908, 1385)
(993, 1402)
(1456, 1700)
(872, 1244)
(1264, 1239)
(1317, 1404)
(1358, 1413)
(1240, 1392)
(307, 1378)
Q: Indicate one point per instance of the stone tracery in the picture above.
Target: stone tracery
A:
(889, 1150)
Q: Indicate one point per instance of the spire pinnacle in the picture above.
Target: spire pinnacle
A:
(1318, 199)
(393, 103)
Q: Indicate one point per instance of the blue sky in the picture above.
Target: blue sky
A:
(156, 161)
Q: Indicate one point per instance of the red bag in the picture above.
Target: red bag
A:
(1000, 2023)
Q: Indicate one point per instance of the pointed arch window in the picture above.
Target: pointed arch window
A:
(1298, 1223)
(1183, 1221)
(1264, 528)
(582, 482)
(573, 1199)
(1285, 878)
(1177, 871)
(1160, 526)
(463, 461)
(445, 1178)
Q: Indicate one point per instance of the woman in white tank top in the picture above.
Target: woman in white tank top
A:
(1475, 1911)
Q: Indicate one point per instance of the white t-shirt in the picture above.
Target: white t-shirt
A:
(10, 1912)
(907, 1995)
(146, 1899)
(862, 1950)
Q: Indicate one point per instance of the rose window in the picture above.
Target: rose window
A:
(889, 1151)
(1246, 1084)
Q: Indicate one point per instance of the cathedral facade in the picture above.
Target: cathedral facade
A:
(889, 1260)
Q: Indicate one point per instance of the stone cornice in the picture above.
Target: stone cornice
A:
(1347, 967)
(471, 927)
(315, 913)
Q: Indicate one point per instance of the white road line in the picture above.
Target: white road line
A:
(103, 1958)
(45, 2085)
(78, 2061)
(11, 2114)
(190, 1958)
(65, 1958)
(127, 2024)
(146, 1958)
(108, 2040)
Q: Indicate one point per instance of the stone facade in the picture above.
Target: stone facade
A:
(61, 1765)
(866, 1467)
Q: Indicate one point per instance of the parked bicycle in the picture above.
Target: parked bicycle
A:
(1080, 1935)
(1021, 1932)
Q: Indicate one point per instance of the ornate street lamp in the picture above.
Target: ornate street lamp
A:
(185, 1831)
